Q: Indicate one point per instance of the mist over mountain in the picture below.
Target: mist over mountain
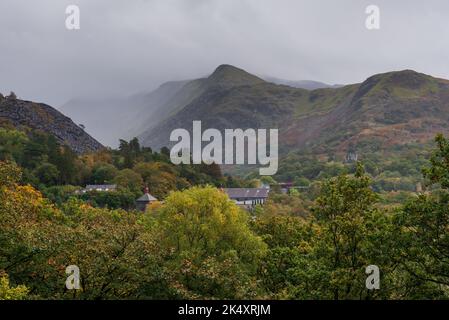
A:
(112, 118)
(386, 109)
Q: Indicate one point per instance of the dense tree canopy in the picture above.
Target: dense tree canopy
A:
(312, 243)
(213, 253)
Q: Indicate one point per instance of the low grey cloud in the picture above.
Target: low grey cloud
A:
(125, 47)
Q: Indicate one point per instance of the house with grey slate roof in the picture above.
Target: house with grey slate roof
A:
(248, 197)
(99, 188)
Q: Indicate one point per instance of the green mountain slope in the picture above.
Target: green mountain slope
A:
(389, 109)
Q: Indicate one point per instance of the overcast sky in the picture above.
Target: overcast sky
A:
(129, 46)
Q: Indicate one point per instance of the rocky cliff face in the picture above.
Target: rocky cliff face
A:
(38, 116)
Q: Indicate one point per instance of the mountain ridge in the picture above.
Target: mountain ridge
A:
(406, 104)
(132, 115)
(301, 84)
(388, 108)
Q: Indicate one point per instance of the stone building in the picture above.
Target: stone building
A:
(145, 200)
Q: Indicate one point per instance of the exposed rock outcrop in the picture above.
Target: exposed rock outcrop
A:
(40, 116)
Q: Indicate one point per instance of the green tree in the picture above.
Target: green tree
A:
(213, 252)
(10, 174)
(423, 225)
(104, 173)
(117, 257)
(9, 293)
(12, 144)
(35, 151)
(47, 174)
(129, 179)
(130, 151)
(65, 160)
(123, 199)
(284, 235)
(347, 233)
(159, 176)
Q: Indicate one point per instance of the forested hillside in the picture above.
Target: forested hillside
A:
(199, 245)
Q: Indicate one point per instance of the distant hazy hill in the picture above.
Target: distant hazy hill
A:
(40, 116)
(112, 118)
(386, 109)
(302, 84)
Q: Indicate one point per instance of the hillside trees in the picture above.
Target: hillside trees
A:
(12, 143)
(38, 241)
(423, 224)
(159, 176)
(314, 244)
(11, 293)
(211, 250)
(37, 151)
(27, 235)
(130, 151)
(198, 244)
(324, 256)
(104, 173)
(348, 234)
(46, 164)
(130, 180)
(284, 234)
